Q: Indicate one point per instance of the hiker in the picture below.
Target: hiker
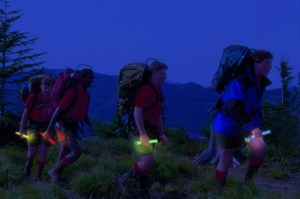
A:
(34, 121)
(239, 115)
(149, 123)
(212, 155)
(72, 109)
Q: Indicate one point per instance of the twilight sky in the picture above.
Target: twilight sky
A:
(188, 35)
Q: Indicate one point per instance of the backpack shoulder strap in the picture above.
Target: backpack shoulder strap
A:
(157, 100)
(34, 101)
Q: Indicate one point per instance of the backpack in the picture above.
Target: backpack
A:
(32, 86)
(234, 61)
(132, 77)
(66, 79)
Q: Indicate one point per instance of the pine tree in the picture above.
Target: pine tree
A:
(18, 61)
(286, 80)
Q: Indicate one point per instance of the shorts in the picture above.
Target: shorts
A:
(69, 125)
(230, 141)
(64, 128)
(33, 131)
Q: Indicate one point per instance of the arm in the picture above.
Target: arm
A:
(62, 106)
(56, 115)
(163, 136)
(26, 113)
(139, 121)
(235, 108)
(23, 121)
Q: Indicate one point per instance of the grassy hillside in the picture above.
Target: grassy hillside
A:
(174, 176)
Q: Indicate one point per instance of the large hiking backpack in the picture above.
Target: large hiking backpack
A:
(234, 61)
(33, 85)
(65, 80)
(132, 77)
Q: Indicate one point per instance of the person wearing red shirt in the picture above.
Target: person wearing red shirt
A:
(33, 114)
(149, 123)
(71, 110)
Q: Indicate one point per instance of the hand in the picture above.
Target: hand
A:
(46, 135)
(257, 132)
(257, 144)
(144, 140)
(164, 139)
(22, 132)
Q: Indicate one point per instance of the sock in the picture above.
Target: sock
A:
(41, 163)
(221, 176)
(255, 161)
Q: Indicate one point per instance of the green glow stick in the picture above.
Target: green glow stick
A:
(150, 142)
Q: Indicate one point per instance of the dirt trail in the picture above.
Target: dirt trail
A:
(288, 187)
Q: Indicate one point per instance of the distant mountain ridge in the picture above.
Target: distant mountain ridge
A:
(187, 105)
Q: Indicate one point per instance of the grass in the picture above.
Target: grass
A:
(94, 183)
(174, 176)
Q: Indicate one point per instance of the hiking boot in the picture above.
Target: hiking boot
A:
(39, 174)
(38, 177)
(53, 175)
(220, 186)
(144, 182)
(124, 182)
(27, 168)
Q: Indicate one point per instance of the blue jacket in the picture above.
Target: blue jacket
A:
(241, 106)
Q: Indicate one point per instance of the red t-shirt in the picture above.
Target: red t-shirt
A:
(145, 99)
(79, 110)
(39, 108)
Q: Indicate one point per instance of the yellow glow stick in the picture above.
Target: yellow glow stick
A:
(24, 136)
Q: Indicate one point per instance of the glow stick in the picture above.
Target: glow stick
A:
(150, 142)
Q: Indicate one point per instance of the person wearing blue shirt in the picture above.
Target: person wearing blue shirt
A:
(240, 115)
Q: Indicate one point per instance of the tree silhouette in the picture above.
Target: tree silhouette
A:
(17, 58)
(286, 79)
